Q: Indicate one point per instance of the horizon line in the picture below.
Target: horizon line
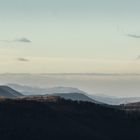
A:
(72, 73)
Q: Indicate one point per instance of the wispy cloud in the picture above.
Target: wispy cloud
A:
(133, 36)
(20, 40)
(24, 40)
(23, 59)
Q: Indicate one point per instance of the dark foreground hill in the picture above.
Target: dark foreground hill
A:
(53, 118)
(132, 107)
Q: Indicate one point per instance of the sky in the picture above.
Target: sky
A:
(69, 36)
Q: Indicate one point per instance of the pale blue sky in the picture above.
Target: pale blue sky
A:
(69, 36)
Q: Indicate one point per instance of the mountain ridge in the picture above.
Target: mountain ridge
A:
(6, 91)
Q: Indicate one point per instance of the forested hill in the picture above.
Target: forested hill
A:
(53, 118)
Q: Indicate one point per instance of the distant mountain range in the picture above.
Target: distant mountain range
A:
(8, 92)
(114, 100)
(64, 92)
(73, 93)
(27, 90)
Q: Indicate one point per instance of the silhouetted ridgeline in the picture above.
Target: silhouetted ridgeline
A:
(53, 118)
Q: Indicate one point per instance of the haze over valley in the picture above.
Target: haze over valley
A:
(118, 85)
